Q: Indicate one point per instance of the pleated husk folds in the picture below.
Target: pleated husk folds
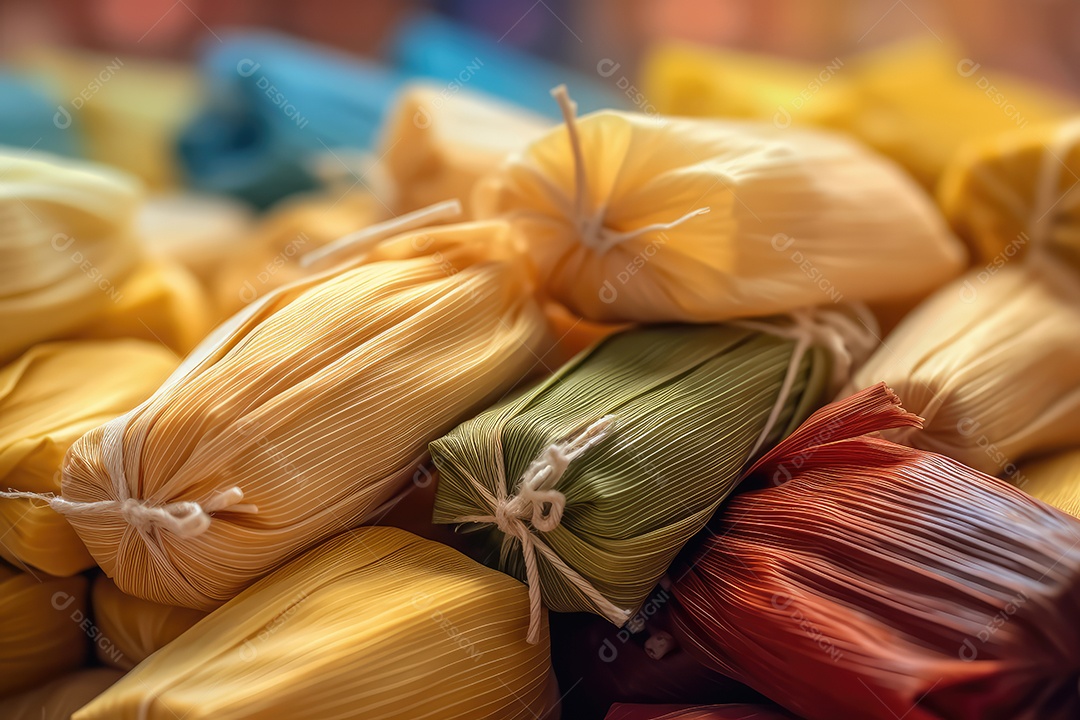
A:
(591, 482)
(992, 364)
(1054, 479)
(65, 245)
(435, 144)
(890, 581)
(375, 623)
(49, 397)
(40, 633)
(1014, 193)
(629, 217)
(133, 628)
(733, 711)
(59, 699)
(303, 413)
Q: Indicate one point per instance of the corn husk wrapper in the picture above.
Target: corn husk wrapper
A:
(49, 397)
(437, 144)
(1054, 479)
(135, 628)
(628, 217)
(270, 256)
(621, 711)
(40, 632)
(59, 699)
(890, 580)
(65, 245)
(696, 81)
(916, 102)
(992, 364)
(375, 623)
(1013, 193)
(638, 663)
(590, 483)
(204, 233)
(161, 302)
(921, 101)
(302, 414)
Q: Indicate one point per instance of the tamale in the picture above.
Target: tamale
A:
(629, 217)
(135, 628)
(270, 255)
(376, 624)
(590, 482)
(65, 245)
(620, 711)
(921, 100)
(302, 414)
(917, 101)
(1054, 479)
(991, 363)
(49, 397)
(889, 580)
(694, 81)
(161, 302)
(42, 633)
(59, 699)
(1014, 193)
(435, 145)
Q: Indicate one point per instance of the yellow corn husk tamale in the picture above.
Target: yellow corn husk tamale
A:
(376, 624)
(436, 144)
(1054, 479)
(628, 217)
(129, 112)
(161, 302)
(49, 397)
(269, 257)
(66, 245)
(41, 633)
(201, 232)
(302, 414)
(694, 81)
(922, 100)
(992, 363)
(59, 699)
(1009, 194)
(135, 628)
(916, 101)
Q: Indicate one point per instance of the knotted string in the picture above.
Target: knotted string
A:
(838, 333)
(185, 519)
(538, 504)
(591, 228)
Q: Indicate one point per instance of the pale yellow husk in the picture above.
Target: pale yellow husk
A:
(49, 397)
(437, 143)
(992, 363)
(666, 219)
(376, 624)
(66, 245)
(302, 414)
(1054, 479)
(41, 627)
(59, 699)
(134, 628)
